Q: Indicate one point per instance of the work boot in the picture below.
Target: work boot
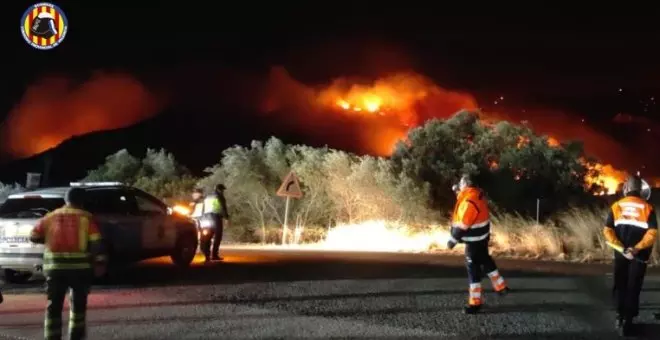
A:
(216, 258)
(472, 309)
(504, 292)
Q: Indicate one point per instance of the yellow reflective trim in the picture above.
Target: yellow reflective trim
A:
(53, 266)
(51, 255)
(95, 237)
(82, 233)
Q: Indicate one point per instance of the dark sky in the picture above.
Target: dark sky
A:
(573, 64)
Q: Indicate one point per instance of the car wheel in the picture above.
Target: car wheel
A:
(13, 276)
(185, 250)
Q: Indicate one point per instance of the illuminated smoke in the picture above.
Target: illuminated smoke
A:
(371, 116)
(55, 109)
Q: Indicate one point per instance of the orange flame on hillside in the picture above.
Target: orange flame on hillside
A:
(400, 97)
(55, 109)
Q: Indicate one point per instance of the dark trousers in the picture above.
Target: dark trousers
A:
(57, 285)
(478, 261)
(215, 238)
(628, 281)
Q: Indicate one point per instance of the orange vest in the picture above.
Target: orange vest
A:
(631, 211)
(630, 218)
(71, 238)
(471, 215)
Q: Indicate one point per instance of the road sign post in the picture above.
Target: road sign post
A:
(290, 188)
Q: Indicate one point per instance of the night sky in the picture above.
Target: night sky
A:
(197, 61)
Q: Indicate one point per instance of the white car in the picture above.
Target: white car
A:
(134, 226)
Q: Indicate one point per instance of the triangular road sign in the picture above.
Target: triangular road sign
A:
(290, 187)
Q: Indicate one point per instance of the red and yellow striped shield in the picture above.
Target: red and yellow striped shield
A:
(44, 26)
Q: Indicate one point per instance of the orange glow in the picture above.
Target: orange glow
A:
(394, 101)
(181, 209)
(374, 115)
(609, 178)
(56, 109)
(383, 236)
(522, 141)
(553, 142)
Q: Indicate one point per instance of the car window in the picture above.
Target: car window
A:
(109, 201)
(149, 205)
(29, 207)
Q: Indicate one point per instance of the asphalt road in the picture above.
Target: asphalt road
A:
(275, 294)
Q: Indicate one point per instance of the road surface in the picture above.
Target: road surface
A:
(285, 294)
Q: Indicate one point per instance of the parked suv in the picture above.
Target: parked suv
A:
(134, 226)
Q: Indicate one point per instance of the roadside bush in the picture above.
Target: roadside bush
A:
(158, 173)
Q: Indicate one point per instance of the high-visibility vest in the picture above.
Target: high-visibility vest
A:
(71, 238)
(631, 222)
(212, 205)
(471, 215)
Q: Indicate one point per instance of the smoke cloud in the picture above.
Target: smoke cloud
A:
(55, 109)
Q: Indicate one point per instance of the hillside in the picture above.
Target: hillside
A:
(197, 140)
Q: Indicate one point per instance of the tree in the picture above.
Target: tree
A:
(157, 173)
(509, 161)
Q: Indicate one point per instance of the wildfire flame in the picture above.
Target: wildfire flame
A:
(609, 178)
(397, 97)
(55, 109)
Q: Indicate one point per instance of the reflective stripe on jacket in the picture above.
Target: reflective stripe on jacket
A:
(631, 222)
(71, 238)
(471, 218)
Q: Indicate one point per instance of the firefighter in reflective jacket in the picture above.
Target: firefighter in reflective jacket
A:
(215, 206)
(471, 225)
(72, 252)
(633, 226)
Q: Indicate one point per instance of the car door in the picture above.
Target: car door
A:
(158, 231)
(115, 212)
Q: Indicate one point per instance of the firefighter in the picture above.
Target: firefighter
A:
(216, 206)
(471, 225)
(72, 253)
(633, 226)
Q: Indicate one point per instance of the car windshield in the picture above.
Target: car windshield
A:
(29, 207)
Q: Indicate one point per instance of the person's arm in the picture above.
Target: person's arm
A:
(95, 242)
(38, 234)
(223, 204)
(608, 230)
(467, 212)
(651, 233)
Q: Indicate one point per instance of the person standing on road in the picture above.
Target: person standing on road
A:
(216, 205)
(471, 225)
(632, 225)
(197, 204)
(73, 250)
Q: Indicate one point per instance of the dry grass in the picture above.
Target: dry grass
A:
(575, 235)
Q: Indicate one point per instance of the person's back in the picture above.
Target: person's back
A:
(72, 247)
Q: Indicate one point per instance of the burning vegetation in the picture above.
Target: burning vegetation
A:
(381, 113)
